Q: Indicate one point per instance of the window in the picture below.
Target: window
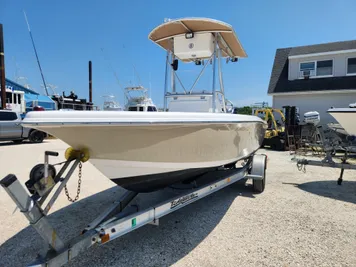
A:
(141, 108)
(15, 98)
(324, 67)
(150, 108)
(316, 68)
(8, 97)
(7, 116)
(132, 108)
(351, 65)
(19, 99)
(307, 66)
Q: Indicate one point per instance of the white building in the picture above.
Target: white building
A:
(314, 77)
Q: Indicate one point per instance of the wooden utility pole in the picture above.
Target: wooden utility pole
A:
(90, 84)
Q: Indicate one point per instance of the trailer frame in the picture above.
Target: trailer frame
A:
(119, 218)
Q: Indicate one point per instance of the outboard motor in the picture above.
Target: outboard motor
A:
(312, 117)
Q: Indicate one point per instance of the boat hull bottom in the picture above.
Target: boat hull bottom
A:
(158, 181)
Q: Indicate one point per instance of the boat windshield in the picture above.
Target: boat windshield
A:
(151, 108)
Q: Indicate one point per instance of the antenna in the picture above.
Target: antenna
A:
(33, 44)
(117, 79)
(52, 87)
(138, 77)
(150, 83)
(16, 73)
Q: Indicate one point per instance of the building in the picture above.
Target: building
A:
(314, 77)
(31, 97)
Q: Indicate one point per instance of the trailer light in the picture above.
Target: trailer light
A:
(105, 238)
(189, 35)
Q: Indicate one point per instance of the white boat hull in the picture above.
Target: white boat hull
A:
(346, 117)
(126, 151)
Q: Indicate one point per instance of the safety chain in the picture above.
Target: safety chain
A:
(78, 188)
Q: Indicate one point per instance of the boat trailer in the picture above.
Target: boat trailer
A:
(118, 219)
(327, 162)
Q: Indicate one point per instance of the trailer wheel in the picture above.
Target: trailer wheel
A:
(259, 185)
(259, 165)
(36, 136)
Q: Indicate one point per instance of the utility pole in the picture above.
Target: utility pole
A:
(90, 84)
(2, 69)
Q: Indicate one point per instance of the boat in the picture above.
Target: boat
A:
(71, 102)
(138, 100)
(110, 104)
(346, 117)
(148, 151)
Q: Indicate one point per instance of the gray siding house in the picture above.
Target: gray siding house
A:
(314, 77)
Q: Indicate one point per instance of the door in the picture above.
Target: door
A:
(10, 127)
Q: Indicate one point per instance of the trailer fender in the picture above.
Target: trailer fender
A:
(258, 167)
(258, 172)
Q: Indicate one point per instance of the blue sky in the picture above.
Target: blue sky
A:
(68, 34)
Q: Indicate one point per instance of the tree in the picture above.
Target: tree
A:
(246, 110)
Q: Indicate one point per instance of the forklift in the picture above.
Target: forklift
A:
(275, 133)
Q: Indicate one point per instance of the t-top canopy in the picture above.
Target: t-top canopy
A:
(229, 44)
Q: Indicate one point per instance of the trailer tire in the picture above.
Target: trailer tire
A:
(36, 136)
(259, 185)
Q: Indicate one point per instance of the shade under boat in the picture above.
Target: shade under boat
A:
(229, 43)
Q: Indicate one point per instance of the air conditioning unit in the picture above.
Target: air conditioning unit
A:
(306, 74)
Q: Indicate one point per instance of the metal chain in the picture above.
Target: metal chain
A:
(78, 188)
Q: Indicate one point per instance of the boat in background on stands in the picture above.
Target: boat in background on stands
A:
(110, 104)
(346, 117)
(138, 100)
(147, 151)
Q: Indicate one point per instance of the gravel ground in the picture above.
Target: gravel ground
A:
(302, 219)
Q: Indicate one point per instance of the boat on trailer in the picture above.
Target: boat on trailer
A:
(206, 150)
(147, 151)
